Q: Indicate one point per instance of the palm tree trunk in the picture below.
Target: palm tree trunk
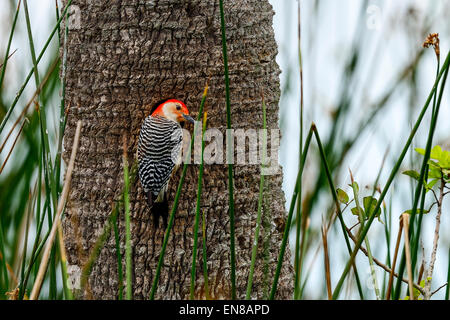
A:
(123, 56)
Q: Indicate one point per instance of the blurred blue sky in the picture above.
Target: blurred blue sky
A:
(391, 38)
(326, 43)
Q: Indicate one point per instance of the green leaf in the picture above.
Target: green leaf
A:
(435, 173)
(431, 184)
(413, 174)
(433, 164)
(420, 151)
(445, 160)
(422, 283)
(355, 186)
(355, 211)
(342, 196)
(369, 206)
(436, 153)
(442, 157)
(418, 211)
(416, 293)
(446, 175)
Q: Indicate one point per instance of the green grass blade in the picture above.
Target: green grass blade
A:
(4, 273)
(62, 118)
(416, 234)
(126, 200)
(419, 187)
(336, 201)
(260, 201)
(37, 247)
(298, 266)
(119, 257)
(290, 214)
(31, 43)
(30, 74)
(387, 214)
(447, 289)
(369, 251)
(104, 236)
(205, 261)
(230, 166)
(390, 180)
(63, 264)
(25, 243)
(197, 213)
(175, 205)
(50, 186)
(8, 47)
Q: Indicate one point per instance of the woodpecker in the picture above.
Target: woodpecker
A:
(159, 148)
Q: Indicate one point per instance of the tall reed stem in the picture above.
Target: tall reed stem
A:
(126, 201)
(260, 201)
(389, 182)
(229, 156)
(175, 204)
(197, 210)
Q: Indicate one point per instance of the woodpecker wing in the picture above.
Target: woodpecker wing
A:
(159, 146)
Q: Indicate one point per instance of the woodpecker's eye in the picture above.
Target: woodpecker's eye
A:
(178, 107)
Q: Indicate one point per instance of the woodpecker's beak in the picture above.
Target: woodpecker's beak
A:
(188, 118)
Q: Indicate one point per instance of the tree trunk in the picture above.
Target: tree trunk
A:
(123, 56)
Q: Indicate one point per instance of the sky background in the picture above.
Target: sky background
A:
(390, 40)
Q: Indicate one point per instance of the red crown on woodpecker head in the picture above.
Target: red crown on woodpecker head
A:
(172, 109)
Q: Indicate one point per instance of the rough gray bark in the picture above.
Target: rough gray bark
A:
(125, 56)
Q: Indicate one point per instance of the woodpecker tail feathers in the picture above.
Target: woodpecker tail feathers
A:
(158, 209)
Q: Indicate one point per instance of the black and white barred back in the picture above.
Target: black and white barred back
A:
(160, 142)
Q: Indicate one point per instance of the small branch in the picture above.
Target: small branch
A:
(439, 289)
(431, 207)
(435, 195)
(345, 208)
(354, 226)
(1, 65)
(382, 265)
(12, 148)
(366, 240)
